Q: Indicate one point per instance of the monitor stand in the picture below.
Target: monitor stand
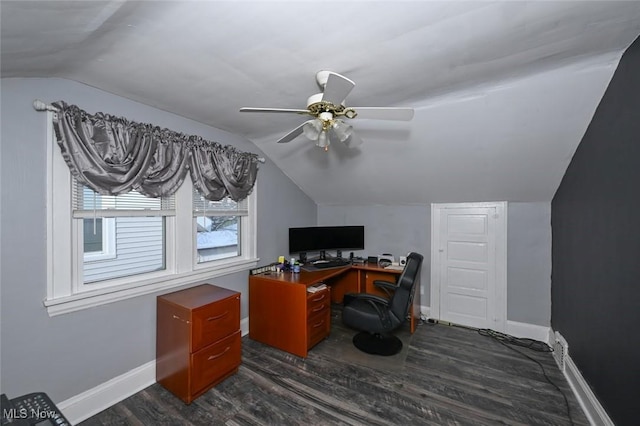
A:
(323, 255)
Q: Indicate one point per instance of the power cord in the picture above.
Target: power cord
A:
(532, 344)
(536, 345)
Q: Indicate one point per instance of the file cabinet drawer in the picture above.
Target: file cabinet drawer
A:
(214, 362)
(213, 322)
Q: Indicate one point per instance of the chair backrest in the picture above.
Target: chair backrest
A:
(402, 297)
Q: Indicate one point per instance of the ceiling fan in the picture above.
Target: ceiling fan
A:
(328, 109)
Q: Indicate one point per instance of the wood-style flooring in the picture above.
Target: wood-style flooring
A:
(451, 376)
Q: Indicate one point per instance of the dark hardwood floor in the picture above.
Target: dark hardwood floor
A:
(451, 376)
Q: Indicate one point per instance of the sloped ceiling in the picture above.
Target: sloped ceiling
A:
(503, 91)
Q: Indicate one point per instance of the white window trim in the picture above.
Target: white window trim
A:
(64, 295)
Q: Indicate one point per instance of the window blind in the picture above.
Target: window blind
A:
(87, 203)
(224, 207)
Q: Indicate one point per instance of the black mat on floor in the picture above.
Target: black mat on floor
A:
(339, 345)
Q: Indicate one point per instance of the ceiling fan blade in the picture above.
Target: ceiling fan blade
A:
(297, 111)
(337, 88)
(353, 141)
(382, 113)
(292, 134)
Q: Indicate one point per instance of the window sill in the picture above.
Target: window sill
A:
(80, 301)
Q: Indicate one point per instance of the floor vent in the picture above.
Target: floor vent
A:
(560, 351)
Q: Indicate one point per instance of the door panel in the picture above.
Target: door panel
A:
(467, 279)
(467, 251)
(467, 306)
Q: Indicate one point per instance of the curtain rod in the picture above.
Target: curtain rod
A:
(38, 105)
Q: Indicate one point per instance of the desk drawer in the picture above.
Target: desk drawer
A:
(318, 302)
(318, 327)
(215, 321)
(215, 361)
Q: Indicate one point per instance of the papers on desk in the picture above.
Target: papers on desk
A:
(316, 288)
(394, 267)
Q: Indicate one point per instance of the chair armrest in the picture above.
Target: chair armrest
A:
(386, 286)
(380, 304)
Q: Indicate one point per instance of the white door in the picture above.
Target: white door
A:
(468, 264)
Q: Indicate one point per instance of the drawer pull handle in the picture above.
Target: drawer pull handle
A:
(218, 317)
(318, 299)
(180, 319)
(318, 308)
(319, 324)
(212, 357)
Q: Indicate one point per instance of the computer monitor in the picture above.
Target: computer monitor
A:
(321, 238)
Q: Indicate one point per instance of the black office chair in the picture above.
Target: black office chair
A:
(376, 317)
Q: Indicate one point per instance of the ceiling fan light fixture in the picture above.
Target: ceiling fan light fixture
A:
(323, 140)
(342, 130)
(312, 129)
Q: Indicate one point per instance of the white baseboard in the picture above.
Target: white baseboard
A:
(89, 403)
(425, 311)
(244, 326)
(529, 331)
(588, 401)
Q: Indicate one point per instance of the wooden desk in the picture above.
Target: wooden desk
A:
(284, 315)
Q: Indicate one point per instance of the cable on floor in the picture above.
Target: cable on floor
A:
(536, 345)
(532, 344)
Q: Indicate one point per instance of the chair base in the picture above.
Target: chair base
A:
(376, 344)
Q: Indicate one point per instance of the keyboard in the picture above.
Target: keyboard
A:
(335, 263)
(395, 267)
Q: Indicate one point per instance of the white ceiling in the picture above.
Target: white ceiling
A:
(503, 90)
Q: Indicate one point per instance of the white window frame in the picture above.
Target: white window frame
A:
(64, 291)
(108, 242)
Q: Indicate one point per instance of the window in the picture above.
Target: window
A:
(115, 247)
(133, 244)
(218, 227)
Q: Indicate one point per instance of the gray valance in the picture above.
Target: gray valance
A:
(113, 155)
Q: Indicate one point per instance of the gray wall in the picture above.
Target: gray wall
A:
(401, 229)
(388, 229)
(529, 263)
(69, 354)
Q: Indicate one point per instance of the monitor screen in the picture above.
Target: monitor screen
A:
(318, 238)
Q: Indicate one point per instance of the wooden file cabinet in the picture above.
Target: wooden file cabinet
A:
(197, 339)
